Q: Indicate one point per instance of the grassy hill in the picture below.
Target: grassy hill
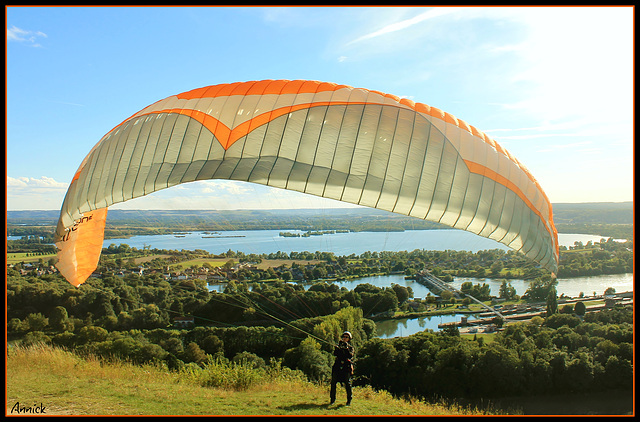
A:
(66, 384)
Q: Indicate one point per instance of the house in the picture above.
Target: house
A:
(183, 322)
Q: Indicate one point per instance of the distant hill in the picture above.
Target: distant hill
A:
(564, 213)
(593, 213)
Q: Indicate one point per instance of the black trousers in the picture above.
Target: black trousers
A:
(340, 378)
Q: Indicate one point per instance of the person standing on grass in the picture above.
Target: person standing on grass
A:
(343, 366)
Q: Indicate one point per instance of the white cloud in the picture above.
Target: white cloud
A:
(31, 38)
(45, 193)
(224, 187)
(32, 183)
(227, 195)
(28, 193)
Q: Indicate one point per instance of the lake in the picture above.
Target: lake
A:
(268, 241)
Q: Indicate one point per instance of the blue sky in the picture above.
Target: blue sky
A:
(554, 86)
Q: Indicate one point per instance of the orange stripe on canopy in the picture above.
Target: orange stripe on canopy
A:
(227, 136)
(491, 174)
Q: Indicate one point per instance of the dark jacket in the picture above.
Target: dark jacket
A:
(343, 366)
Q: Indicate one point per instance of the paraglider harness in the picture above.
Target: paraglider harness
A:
(344, 355)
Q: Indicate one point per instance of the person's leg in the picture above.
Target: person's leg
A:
(347, 387)
(332, 393)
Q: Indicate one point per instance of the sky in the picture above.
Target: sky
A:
(552, 85)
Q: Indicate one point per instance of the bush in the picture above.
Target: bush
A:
(239, 375)
(227, 375)
(310, 359)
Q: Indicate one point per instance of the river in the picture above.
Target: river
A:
(270, 241)
(406, 326)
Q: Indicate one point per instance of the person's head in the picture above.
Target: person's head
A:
(346, 336)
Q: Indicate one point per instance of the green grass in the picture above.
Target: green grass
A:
(199, 262)
(15, 257)
(66, 384)
(220, 262)
(488, 337)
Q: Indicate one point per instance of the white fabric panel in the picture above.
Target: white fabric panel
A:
(343, 156)
(397, 164)
(306, 148)
(362, 154)
(429, 173)
(414, 166)
(379, 157)
(325, 150)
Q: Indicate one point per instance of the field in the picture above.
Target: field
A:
(15, 257)
(61, 383)
(218, 262)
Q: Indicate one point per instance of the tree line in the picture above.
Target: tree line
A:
(558, 354)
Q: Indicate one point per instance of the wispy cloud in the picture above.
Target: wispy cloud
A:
(31, 38)
(407, 23)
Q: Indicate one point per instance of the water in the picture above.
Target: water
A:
(408, 326)
(568, 286)
(268, 241)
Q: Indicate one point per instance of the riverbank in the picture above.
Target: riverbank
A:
(474, 319)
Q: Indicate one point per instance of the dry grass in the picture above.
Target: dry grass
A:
(67, 384)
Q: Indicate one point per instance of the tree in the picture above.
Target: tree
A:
(36, 322)
(193, 353)
(310, 359)
(59, 319)
(403, 293)
(90, 334)
(507, 291)
(539, 289)
(552, 301)
(213, 345)
(496, 268)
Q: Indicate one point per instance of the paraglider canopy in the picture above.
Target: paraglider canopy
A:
(350, 144)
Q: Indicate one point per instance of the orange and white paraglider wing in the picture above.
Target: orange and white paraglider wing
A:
(353, 145)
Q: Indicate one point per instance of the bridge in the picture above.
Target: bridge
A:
(438, 286)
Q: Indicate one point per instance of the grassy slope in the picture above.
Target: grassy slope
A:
(68, 385)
